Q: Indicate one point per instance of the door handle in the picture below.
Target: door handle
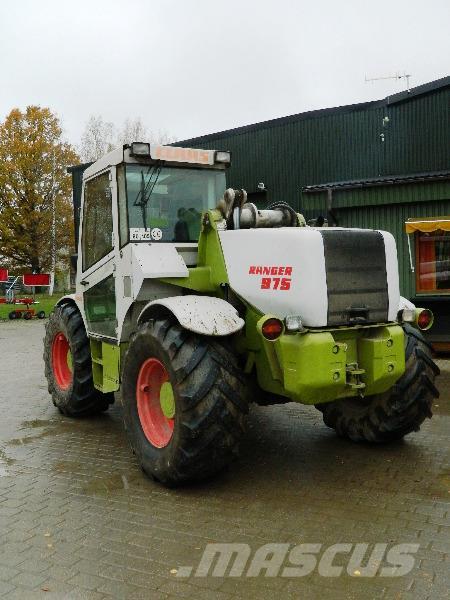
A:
(84, 282)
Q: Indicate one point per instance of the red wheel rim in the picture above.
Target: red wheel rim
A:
(157, 427)
(61, 360)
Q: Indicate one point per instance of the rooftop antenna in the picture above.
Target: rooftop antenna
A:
(396, 76)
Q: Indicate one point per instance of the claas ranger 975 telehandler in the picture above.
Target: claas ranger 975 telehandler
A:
(191, 303)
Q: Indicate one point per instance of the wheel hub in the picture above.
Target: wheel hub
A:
(155, 402)
(62, 361)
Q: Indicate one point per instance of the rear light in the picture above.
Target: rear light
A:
(424, 319)
(272, 329)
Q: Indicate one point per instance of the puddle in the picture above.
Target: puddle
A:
(96, 485)
(441, 407)
(69, 466)
(5, 462)
(28, 439)
(49, 427)
(36, 423)
(106, 485)
(441, 486)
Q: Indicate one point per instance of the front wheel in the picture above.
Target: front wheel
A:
(68, 365)
(397, 412)
(184, 402)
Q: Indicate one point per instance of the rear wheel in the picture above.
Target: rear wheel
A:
(68, 365)
(184, 401)
(399, 411)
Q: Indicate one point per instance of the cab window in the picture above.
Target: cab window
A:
(97, 220)
(165, 204)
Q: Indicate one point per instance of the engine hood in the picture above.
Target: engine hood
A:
(325, 275)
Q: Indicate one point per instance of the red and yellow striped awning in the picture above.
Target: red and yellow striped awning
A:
(427, 224)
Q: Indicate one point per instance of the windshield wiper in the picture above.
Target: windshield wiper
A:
(147, 189)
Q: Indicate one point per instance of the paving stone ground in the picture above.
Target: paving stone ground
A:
(78, 519)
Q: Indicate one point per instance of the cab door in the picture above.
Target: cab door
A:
(97, 282)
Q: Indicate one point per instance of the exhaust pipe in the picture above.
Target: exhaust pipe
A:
(241, 214)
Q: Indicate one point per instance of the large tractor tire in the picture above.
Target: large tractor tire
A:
(184, 401)
(68, 365)
(392, 415)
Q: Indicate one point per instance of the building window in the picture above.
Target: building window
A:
(433, 261)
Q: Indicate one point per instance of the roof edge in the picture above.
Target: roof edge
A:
(347, 108)
(374, 181)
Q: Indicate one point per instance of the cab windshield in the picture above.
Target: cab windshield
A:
(165, 204)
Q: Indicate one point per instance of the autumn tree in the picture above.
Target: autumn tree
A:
(100, 136)
(133, 130)
(35, 190)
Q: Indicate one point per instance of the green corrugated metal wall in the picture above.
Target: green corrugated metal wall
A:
(386, 208)
(290, 156)
(392, 218)
(340, 145)
(347, 144)
(417, 135)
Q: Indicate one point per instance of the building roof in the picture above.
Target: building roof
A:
(420, 90)
(374, 181)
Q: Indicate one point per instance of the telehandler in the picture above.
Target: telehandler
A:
(191, 303)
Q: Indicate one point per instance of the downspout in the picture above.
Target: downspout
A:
(410, 253)
(330, 207)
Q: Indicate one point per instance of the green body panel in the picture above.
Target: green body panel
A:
(210, 272)
(198, 280)
(382, 356)
(322, 366)
(105, 365)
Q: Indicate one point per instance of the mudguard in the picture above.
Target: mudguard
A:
(202, 314)
(405, 303)
(69, 298)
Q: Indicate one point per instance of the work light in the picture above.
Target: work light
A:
(140, 149)
(408, 315)
(294, 323)
(223, 157)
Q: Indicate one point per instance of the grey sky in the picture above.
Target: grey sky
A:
(197, 66)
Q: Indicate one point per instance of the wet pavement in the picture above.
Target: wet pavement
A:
(78, 519)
